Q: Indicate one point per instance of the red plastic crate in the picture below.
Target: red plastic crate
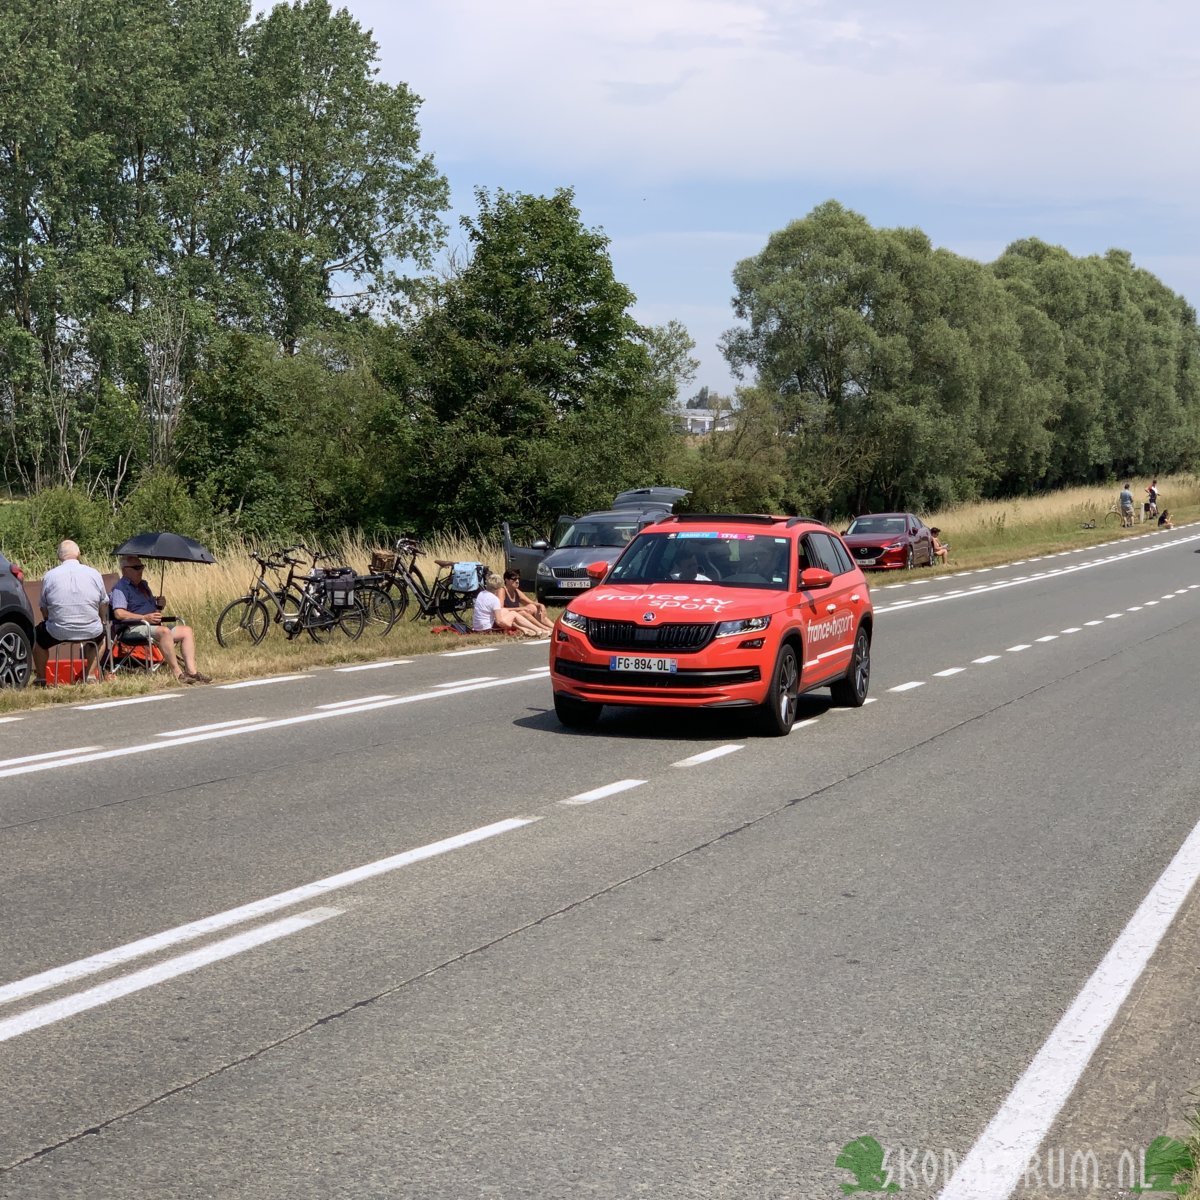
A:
(64, 670)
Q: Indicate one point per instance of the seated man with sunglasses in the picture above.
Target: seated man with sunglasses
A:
(134, 605)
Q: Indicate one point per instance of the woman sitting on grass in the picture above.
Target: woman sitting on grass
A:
(940, 548)
(490, 615)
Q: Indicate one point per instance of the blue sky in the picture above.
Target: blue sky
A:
(691, 130)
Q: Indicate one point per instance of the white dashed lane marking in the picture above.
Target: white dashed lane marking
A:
(707, 756)
(600, 793)
(231, 687)
(987, 658)
(907, 687)
(132, 700)
(949, 671)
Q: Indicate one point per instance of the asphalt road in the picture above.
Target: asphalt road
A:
(426, 943)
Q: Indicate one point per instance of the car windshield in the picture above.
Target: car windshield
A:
(596, 533)
(876, 525)
(745, 560)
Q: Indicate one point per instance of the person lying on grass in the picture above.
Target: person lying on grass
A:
(490, 615)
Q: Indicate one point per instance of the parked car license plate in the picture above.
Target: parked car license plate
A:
(574, 583)
(866, 562)
(634, 662)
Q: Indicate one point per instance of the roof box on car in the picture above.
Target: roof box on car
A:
(650, 497)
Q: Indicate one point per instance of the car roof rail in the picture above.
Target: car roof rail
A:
(804, 521)
(722, 518)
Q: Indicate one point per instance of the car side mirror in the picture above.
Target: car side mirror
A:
(814, 578)
(597, 571)
(541, 544)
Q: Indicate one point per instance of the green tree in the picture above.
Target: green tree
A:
(340, 188)
(527, 385)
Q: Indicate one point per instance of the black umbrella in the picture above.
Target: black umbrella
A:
(167, 547)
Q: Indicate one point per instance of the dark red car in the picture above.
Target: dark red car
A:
(890, 541)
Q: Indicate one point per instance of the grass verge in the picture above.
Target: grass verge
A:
(983, 534)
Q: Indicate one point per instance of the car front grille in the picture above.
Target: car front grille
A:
(682, 637)
(677, 681)
(570, 572)
(867, 551)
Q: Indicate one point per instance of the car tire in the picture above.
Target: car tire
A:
(16, 655)
(908, 558)
(851, 690)
(576, 714)
(777, 713)
(932, 557)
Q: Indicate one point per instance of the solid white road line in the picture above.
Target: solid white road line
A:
(133, 700)
(995, 1164)
(464, 653)
(28, 758)
(461, 682)
(230, 687)
(276, 723)
(391, 662)
(208, 728)
(248, 912)
(707, 756)
(609, 789)
(358, 700)
(103, 993)
(907, 687)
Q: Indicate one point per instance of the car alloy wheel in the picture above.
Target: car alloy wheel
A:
(851, 690)
(908, 558)
(778, 711)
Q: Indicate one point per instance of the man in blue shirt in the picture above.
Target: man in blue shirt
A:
(1126, 499)
(134, 604)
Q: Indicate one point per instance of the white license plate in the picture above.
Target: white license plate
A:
(573, 583)
(634, 662)
(866, 562)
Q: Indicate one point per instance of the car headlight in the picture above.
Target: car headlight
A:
(544, 572)
(574, 620)
(747, 625)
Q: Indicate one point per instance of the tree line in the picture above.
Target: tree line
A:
(219, 304)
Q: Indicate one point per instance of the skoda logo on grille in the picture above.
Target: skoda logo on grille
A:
(649, 616)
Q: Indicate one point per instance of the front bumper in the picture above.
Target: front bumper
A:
(722, 676)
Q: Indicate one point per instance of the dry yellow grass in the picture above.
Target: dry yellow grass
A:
(980, 534)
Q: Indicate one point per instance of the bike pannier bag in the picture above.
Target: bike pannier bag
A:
(339, 587)
(467, 576)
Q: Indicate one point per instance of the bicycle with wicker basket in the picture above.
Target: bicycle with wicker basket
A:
(446, 599)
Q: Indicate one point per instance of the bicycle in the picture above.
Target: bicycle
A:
(403, 580)
(1116, 515)
(320, 610)
(379, 609)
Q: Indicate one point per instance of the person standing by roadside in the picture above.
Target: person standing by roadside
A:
(73, 602)
(1126, 501)
(1152, 499)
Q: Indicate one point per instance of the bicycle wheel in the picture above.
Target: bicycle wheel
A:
(379, 609)
(1112, 517)
(321, 623)
(243, 622)
(450, 605)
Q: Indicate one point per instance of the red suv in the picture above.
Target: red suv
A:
(717, 612)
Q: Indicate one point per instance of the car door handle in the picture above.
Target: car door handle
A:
(831, 608)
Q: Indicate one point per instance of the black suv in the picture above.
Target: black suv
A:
(16, 626)
(556, 567)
